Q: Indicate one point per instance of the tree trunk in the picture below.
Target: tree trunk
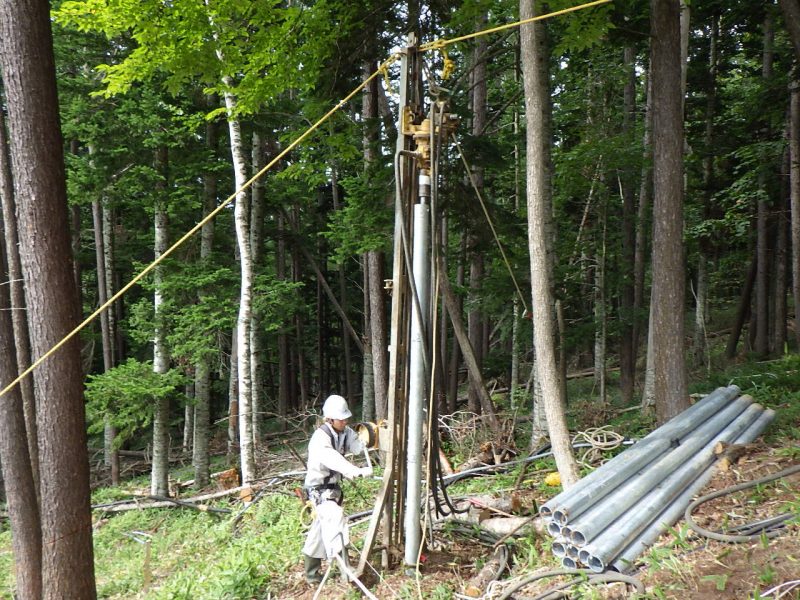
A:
(475, 316)
(202, 364)
(791, 15)
(374, 259)
(667, 301)
(188, 418)
(794, 195)
(349, 382)
(701, 290)
(455, 353)
(779, 280)
(285, 380)
(600, 324)
(27, 63)
(233, 396)
(378, 333)
(627, 353)
(242, 218)
(535, 55)
(159, 480)
(21, 338)
(640, 255)
(257, 346)
(110, 453)
(17, 474)
(762, 218)
(476, 381)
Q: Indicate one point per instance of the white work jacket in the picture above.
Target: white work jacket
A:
(326, 461)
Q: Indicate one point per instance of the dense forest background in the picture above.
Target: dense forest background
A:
(167, 109)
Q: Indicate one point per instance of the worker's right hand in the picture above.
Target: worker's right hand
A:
(364, 472)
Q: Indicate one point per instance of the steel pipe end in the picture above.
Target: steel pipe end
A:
(560, 516)
(553, 528)
(569, 563)
(584, 556)
(596, 565)
(566, 532)
(559, 549)
(545, 512)
(577, 538)
(572, 552)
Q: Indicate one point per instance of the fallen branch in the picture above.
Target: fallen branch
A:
(137, 504)
(491, 571)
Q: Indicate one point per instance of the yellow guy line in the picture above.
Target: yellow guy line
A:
(468, 169)
(194, 229)
(440, 43)
(436, 44)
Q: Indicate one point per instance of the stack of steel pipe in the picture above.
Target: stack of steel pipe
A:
(612, 515)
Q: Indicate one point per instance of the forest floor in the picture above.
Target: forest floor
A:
(682, 565)
(253, 550)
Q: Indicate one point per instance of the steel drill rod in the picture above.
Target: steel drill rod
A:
(591, 522)
(672, 513)
(604, 548)
(570, 503)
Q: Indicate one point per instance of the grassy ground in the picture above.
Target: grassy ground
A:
(177, 553)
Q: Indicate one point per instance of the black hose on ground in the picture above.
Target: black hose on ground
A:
(768, 527)
(588, 576)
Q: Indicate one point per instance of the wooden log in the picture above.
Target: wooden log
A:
(143, 502)
(729, 454)
(491, 571)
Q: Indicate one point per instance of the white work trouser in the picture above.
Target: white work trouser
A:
(328, 534)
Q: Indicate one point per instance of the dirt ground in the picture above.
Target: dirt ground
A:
(683, 567)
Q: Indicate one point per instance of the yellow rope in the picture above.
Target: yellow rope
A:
(441, 42)
(435, 45)
(197, 227)
(489, 220)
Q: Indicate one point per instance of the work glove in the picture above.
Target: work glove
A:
(364, 472)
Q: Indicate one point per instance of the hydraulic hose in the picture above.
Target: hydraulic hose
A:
(590, 577)
(766, 528)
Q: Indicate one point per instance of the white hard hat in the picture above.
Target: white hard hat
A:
(335, 407)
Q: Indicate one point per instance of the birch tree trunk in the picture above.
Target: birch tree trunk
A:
(159, 479)
(241, 218)
(233, 395)
(535, 56)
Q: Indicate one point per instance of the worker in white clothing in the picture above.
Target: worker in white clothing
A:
(328, 534)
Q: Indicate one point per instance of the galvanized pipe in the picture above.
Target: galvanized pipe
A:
(604, 548)
(672, 513)
(591, 522)
(559, 547)
(417, 375)
(592, 488)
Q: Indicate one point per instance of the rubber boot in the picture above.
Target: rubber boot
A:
(313, 566)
